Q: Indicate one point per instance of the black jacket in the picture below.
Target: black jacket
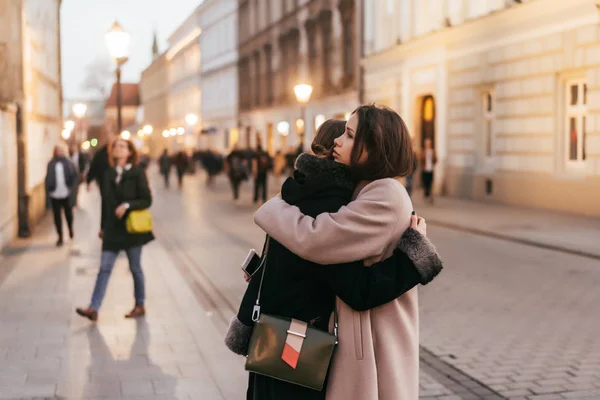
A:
(69, 170)
(98, 167)
(133, 189)
(296, 288)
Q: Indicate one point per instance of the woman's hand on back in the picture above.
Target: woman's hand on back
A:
(419, 224)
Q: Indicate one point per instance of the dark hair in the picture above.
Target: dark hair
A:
(384, 135)
(133, 158)
(322, 145)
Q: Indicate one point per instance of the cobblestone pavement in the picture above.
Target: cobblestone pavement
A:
(504, 320)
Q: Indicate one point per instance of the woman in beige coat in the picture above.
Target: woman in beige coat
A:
(378, 354)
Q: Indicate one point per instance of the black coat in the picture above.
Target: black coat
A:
(296, 288)
(69, 171)
(133, 189)
(98, 167)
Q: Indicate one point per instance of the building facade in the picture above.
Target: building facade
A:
(173, 79)
(509, 92)
(219, 76)
(286, 42)
(31, 90)
(155, 100)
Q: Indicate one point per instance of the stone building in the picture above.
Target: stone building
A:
(30, 108)
(170, 89)
(286, 42)
(218, 20)
(509, 91)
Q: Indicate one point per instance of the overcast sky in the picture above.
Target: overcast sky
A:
(84, 23)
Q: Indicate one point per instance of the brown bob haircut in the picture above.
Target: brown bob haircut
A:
(384, 135)
(322, 145)
(133, 158)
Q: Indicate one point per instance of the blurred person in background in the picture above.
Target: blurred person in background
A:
(428, 162)
(164, 164)
(61, 180)
(237, 170)
(81, 162)
(261, 165)
(125, 189)
(181, 166)
(278, 166)
(410, 178)
(99, 164)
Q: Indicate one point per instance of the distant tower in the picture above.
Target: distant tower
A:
(155, 51)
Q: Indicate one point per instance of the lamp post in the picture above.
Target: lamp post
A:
(117, 41)
(303, 92)
(79, 110)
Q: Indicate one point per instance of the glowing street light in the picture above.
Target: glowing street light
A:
(180, 131)
(283, 128)
(86, 145)
(303, 91)
(191, 119)
(94, 142)
(117, 41)
(165, 133)
(126, 135)
(147, 129)
(79, 110)
(66, 134)
(69, 125)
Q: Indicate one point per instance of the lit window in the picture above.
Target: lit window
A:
(576, 109)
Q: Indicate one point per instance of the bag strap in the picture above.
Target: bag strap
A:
(263, 265)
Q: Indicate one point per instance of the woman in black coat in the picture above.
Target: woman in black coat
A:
(296, 288)
(124, 189)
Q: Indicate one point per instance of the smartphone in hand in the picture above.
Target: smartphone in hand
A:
(251, 263)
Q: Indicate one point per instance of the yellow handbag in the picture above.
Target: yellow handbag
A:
(139, 221)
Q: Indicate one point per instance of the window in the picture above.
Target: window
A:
(488, 122)
(576, 107)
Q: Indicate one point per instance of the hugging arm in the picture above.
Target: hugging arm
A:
(363, 288)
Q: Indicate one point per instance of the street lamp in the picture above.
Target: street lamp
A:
(69, 125)
(66, 134)
(79, 110)
(148, 129)
(126, 135)
(117, 41)
(303, 92)
(191, 119)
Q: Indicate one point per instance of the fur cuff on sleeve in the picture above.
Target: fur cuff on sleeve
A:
(422, 253)
(237, 338)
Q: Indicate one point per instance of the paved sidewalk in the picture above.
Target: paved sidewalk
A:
(47, 351)
(569, 233)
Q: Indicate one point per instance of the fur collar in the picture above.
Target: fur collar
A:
(323, 168)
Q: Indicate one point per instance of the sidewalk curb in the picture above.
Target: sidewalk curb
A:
(514, 239)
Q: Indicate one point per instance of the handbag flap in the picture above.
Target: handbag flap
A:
(267, 344)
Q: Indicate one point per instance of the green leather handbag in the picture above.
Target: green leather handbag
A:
(288, 349)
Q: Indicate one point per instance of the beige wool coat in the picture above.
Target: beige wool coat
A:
(378, 353)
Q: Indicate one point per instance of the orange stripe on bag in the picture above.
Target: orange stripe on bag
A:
(293, 342)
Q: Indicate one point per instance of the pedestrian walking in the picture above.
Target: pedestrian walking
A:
(278, 166)
(181, 166)
(378, 353)
(99, 165)
(80, 160)
(237, 170)
(164, 163)
(261, 165)
(125, 189)
(295, 288)
(410, 178)
(428, 162)
(61, 179)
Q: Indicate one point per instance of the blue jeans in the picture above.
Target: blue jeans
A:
(107, 262)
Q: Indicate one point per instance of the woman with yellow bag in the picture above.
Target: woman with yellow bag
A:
(126, 224)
